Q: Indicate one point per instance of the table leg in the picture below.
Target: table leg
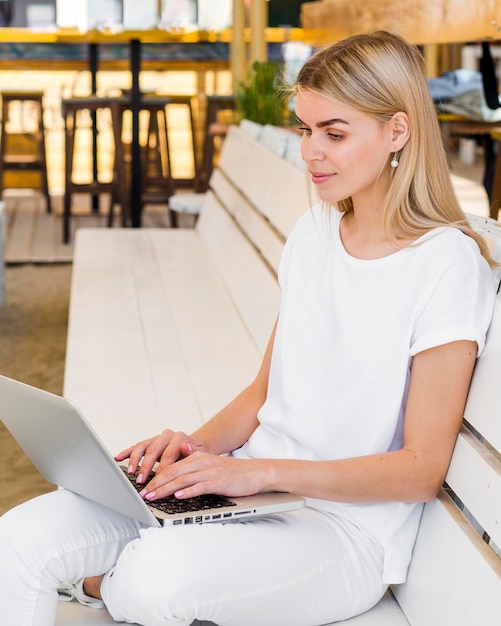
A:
(93, 68)
(135, 191)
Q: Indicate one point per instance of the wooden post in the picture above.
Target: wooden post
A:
(237, 46)
(258, 24)
(431, 57)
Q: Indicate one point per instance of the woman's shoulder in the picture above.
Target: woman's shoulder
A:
(448, 242)
(448, 250)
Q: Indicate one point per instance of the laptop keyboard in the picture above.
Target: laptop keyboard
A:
(172, 506)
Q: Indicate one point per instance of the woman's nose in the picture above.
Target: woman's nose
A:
(310, 151)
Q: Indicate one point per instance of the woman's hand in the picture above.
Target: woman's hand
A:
(199, 473)
(166, 448)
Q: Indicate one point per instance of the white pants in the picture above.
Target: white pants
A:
(304, 568)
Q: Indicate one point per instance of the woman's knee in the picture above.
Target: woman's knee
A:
(148, 585)
(19, 526)
(135, 574)
(36, 531)
(28, 531)
(22, 544)
(37, 519)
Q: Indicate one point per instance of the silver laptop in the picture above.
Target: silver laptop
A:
(67, 452)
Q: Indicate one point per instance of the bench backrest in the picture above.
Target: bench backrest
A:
(256, 195)
(255, 198)
(455, 574)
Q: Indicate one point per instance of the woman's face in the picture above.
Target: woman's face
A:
(347, 152)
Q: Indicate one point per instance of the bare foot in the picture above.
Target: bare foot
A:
(92, 586)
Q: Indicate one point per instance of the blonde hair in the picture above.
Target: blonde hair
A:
(381, 74)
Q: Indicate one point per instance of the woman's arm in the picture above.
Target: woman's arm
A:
(440, 379)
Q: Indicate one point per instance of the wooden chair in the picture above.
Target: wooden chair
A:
(72, 109)
(25, 151)
(158, 183)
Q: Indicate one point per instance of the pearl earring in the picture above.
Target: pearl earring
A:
(394, 161)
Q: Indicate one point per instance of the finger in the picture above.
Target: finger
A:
(187, 449)
(174, 450)
(134, 453)
(168, 478)
(197, 489)
(184, 485)
(139, 454)
(124, 454)
(163, 449)
(185, 474)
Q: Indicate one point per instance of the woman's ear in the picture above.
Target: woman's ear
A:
(400, 130)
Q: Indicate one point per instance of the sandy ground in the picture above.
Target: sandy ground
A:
(33, 325)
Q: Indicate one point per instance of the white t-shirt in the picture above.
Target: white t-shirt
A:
(347, 331)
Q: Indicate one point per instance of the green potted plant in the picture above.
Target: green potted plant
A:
(259, 98)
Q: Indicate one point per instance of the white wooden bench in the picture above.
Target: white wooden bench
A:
(167, 325)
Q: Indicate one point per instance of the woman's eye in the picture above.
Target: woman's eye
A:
(304, 129)
(334, 136)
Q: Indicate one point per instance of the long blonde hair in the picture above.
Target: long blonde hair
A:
(381, 74)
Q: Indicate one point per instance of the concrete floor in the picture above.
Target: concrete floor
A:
(33, 326)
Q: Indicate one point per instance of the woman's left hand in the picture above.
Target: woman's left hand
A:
(201, 473)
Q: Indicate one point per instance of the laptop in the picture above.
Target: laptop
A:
(67, 452)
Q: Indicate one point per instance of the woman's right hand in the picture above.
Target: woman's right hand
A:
(166, 448)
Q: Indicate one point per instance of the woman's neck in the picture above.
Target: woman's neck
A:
(363, 235)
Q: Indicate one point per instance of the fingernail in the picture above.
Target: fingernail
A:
(150, 496)
(179, 494)
(139, 479)
(130, 469)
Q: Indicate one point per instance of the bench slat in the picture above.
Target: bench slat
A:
(74, 614)
(244, 272)
(256, 227)
(171, 382)
(275, 186)
(454, 577)
(482, 408)
(475, 477)
(219, 354)
(162, 306)
(107, 371)
(385, 613)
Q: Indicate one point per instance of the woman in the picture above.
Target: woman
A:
(386, 299)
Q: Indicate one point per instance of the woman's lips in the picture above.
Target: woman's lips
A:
(318, 178)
